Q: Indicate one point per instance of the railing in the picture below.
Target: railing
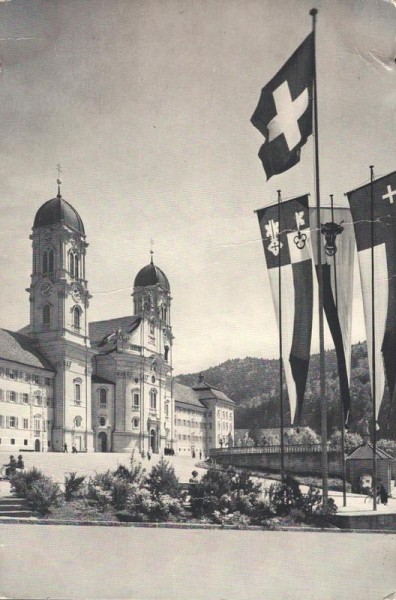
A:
(288, 449)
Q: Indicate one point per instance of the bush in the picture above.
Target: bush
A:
(388, 446)
(43, 495)
(135, 474)
(285, 496)
(73, 486)
(120, 493)
(162, 480)
(99, 490)
(21, 482)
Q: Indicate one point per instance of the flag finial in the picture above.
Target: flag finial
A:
(59, 181)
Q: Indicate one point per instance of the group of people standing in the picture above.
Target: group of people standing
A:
(13, 465)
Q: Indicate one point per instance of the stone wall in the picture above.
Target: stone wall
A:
(304, 462)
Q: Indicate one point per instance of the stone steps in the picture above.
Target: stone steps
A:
(14, 507)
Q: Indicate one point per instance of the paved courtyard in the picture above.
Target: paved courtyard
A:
(40, 561)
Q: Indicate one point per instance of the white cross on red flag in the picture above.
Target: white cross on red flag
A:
(284, 112)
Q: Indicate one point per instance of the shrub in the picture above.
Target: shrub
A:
(162, 480)
(73, 485)
(205, 495)
(235, 518)
(21, 482)
(135, 474)
(285, 496)
(43, 495)
(120, 493)
(99, 489)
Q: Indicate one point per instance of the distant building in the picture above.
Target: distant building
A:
(105, 386)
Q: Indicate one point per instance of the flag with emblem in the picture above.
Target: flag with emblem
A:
(338, 250)
(284, 112)
(382, 239)
(286, 242)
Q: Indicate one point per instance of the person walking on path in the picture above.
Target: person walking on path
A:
(65, 447)
(74, 449)
(382, 493)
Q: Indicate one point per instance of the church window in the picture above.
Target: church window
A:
(103, 397)
(135, 422)
(152, 327)
(153, 399)
(78, 421)
(46, 315)
(45, 261)
(36, 379)
(12, 396)
(76, 266)
(25, 442)
(39, 400)
(135, 399)
(12, 441)
(37, 424)
(102, 421)
(76, 318)
(51, 260)
(77, 392)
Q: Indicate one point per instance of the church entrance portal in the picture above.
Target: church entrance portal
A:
(153, 441)
(102, 439)
(37, 446)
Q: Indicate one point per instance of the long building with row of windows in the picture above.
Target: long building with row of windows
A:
(104, 386)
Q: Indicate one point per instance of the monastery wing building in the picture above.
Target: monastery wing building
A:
(105, 386)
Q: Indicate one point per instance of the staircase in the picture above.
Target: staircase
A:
(11, 507)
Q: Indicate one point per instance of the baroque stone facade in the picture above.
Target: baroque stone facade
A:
(105, 386)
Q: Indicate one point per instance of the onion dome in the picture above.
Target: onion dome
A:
(57, 210)
(151, 275)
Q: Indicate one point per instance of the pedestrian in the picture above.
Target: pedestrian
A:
(148, 455)
(65, 447)
(200, 454)
(382, 493)
(74, 449)
(11, 467)
(20, 463)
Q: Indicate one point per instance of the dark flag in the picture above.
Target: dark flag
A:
(338, 250)
(284, 112)
(290, 239)
(384, 244)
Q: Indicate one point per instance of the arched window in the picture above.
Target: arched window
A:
(76, 318)
(51, 261)
(78, 421)
(76, 266)
(102, 421)
(135, 399)
(46, 315)
(71, 263)
(152, 327)
(103, 397)
(77, 392)
(45, 261)
(153, 399)
(135, 422)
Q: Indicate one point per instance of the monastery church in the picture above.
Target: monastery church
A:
(105, 386)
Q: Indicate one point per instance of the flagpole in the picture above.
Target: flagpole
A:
(323, 408)
(282, 446)
(373, 341)
(341, 399)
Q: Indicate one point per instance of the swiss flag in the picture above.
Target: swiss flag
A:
(284, 112)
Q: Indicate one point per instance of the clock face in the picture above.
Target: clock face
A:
(46, 289)
(76, 293)
(47, 235)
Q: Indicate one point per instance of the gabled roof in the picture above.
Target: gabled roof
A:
(98, 379)
(366, 452)
(20, 348)
(186, 395)
(206, 391)
(99, 329)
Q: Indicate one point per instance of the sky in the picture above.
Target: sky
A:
(147, 107)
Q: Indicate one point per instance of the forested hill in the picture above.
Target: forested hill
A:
(253, 383)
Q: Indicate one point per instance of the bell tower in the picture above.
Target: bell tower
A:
(59, 300)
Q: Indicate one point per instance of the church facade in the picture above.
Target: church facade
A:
(102, 386)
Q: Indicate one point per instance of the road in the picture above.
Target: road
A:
(43, 561)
